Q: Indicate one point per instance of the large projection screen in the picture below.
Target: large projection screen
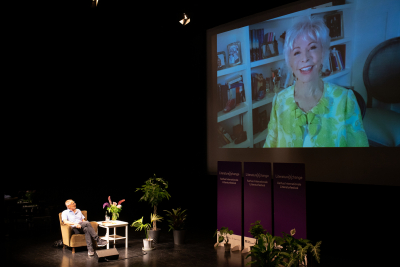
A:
(365, 25)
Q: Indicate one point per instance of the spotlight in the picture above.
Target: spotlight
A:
(94, 3)
(185, 20)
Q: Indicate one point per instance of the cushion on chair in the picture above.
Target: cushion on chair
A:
(382, 127)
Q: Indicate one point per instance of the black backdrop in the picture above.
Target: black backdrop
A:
(104, 98)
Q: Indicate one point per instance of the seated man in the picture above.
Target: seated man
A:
(74, 217)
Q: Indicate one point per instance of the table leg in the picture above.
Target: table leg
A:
(108, 237)
(114, 236)
(126, 236)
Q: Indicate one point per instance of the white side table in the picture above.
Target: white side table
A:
(114, 225)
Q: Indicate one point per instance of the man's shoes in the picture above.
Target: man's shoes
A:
(101, 243)
(90, 252)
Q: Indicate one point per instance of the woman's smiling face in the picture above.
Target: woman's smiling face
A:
(305, 59)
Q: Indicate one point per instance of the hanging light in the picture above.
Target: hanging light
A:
(94, 3)
(185, 20)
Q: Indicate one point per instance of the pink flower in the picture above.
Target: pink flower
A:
(106, 204)
(115, 203)
(119, 206)
(119, 203)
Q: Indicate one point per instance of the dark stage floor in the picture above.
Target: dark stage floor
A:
(35, 249)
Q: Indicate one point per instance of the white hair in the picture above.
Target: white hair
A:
(68, 202)
(313, 27)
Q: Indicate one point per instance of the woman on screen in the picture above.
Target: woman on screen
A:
(313, 113)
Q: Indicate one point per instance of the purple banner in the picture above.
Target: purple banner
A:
(290, 199)
(257, 195)
(229, 198)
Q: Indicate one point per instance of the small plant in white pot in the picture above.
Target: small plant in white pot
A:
(147, 242)
(177, 224)
(224, 231)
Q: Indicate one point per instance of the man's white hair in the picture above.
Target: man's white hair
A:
(68, 202)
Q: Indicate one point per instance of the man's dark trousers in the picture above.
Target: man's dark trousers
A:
(89, 232)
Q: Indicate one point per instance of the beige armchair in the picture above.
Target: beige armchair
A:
(75, 240)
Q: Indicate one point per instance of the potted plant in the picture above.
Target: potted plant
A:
(295, 250)
(224, 231)
(147, 242)
(265, 253)
(113, 208)
(176, 223)
(155, 190)
(256, 229)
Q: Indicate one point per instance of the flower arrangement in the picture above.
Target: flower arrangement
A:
(113, 208)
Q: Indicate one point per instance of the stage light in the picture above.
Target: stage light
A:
(185, 20)
(94, 3)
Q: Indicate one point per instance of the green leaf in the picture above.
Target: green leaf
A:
(315, 250)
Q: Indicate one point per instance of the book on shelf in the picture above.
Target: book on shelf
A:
(223, 96)
(239, 90)
(336, 60)
(237, 86)
(341, 59)
(337, 57)
(262, 45)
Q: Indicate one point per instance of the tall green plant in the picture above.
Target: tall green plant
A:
(154, 191)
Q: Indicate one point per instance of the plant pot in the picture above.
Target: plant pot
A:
(179, 236)
(252, 257)
(155, 235)
(227, 247)
(147, 243)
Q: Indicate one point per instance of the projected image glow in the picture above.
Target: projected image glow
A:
(318, 77)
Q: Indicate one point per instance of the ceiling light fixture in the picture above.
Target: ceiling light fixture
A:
(185, 20)
(94, 3)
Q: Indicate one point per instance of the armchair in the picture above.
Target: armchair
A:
(75, 240)
(381, 78)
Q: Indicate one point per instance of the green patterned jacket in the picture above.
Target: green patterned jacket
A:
(334, 122)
